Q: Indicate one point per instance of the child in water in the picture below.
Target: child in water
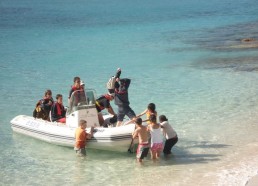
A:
(151, 110)
(156, 137)
(142, 133)
(81, 136)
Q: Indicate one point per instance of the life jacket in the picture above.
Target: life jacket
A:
(77, 95)
(75, 88)
(59, 108)
(148, 114)
(106, 96)
(40, 112)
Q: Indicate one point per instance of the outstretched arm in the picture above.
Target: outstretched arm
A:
(118, 73)
(144, 112)
(89, 135)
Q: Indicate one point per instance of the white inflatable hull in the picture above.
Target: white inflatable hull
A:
(112, 139)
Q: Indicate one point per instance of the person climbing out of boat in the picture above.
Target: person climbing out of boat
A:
(169, 133)
(121, 100)
(57, 110)
(156, 137)
(151, 109)
(81, 137)
(43, 106)
(143, 146)
(103, 102)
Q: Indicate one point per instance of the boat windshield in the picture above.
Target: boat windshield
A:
(78, 98)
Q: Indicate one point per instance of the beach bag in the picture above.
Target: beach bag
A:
(111, 83)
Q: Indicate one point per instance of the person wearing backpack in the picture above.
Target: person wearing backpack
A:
(120, 87)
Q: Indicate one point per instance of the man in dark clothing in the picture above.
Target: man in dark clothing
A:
(122, 100)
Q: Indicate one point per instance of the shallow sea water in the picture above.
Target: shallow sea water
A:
(178, 54)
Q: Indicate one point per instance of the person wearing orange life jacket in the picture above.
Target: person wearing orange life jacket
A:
(58, 111)
(103, 102)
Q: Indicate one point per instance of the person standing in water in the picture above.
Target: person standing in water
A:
(151, 109)
(81, 137)
(169, 133)
(143, 146)
(156, 137)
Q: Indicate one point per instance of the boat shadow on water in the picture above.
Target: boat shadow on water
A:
(195, 152)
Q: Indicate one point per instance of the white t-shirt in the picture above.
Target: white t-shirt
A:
(168, 131)
(156, 135)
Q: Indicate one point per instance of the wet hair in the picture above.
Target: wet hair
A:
(48, 91)
(138, 121)
(153, 118)
(82, 121)
(152, 107)
(58, 96)
(162, 118)
(76, 79)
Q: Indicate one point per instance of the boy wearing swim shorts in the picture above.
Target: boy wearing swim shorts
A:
(142, 133)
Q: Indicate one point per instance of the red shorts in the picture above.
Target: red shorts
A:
(157, 147)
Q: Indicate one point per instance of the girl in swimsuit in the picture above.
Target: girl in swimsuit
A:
(156, 137)
(151, 110)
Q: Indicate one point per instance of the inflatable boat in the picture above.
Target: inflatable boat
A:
(81, 106)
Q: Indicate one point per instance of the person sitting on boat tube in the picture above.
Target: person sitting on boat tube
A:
(44, 106)
(122, 101)
(58, 111)
(103, 102)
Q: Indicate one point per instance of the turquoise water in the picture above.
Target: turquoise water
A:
(179, 54)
